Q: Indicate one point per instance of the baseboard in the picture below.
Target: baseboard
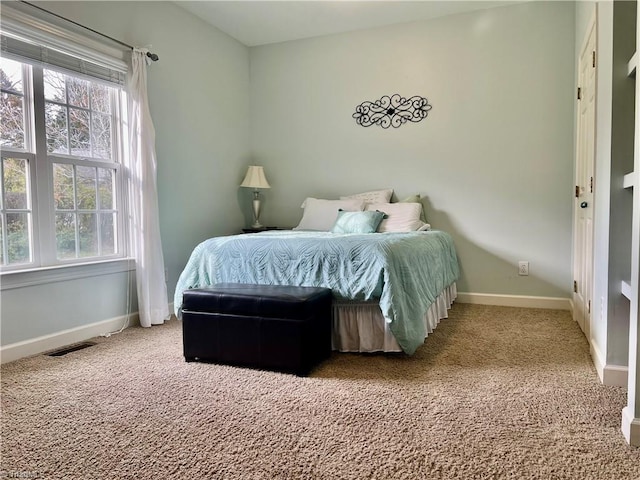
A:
(523, 301)
(34, 346)
(630, 427)
(615, 375)
(611, 375)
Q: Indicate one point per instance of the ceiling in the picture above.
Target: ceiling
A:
(256, 23)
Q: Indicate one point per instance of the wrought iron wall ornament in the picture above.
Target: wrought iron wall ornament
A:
(394, 110)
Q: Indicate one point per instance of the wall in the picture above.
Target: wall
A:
(614, 154)
(199, 103)
(621, 159)
(493, 158)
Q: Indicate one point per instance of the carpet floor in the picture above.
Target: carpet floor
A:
(494, 393)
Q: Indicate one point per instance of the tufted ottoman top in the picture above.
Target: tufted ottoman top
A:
(252, 300)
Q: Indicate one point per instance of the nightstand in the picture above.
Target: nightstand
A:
(263, 229)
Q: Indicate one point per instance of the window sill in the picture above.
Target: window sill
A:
(60, 273)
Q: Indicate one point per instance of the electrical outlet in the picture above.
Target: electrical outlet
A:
(523, 268)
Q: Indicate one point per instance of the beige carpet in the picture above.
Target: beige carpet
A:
(494, 393)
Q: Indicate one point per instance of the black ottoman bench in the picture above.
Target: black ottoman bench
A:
(272, 327)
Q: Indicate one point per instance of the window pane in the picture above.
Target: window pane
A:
(108, 233)
(86, 187)
(105, 188)
(78, 91)
(79, 132)
(65, 235)
(88, 230)
(12, 125)
(15, 183)
(101, 135)
(56, 120)
(100, 98)
(11, 75)
(18, 250)
(63, 186)
(54, 86)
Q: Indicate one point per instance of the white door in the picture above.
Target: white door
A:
(584, 190)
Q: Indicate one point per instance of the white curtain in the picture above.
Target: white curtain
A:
(146, 245)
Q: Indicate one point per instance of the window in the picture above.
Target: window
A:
(60, 192)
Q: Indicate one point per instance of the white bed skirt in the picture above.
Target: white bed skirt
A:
(360, 326)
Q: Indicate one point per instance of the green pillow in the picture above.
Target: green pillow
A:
(416, 199)
(357, 222)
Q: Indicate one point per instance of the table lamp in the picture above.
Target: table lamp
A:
(255, 179)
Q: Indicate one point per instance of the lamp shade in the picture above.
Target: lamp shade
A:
(255, 178)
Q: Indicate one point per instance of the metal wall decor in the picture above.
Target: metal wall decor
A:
(394, 110)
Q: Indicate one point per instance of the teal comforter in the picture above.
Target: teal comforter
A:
(406, 271)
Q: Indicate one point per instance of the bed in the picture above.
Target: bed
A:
(390, 289)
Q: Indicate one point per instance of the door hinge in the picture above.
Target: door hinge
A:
(589, 307)
(593, 56)
(575, 287)
(577, 191)
(579, 93)
(591, 185)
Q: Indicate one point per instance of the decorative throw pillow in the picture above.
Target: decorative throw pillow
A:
(374, 196)
(320, 214)
(416, 199)
(401, 217)
(357, 222)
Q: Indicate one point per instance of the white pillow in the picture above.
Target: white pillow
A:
(374, 196)
(321, 214)
(401, 217)
(415, 199)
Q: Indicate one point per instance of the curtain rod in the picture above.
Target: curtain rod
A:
(152, 56)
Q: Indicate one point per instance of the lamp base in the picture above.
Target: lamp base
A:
(256, 209)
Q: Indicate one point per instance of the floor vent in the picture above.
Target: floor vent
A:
(70, 348)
